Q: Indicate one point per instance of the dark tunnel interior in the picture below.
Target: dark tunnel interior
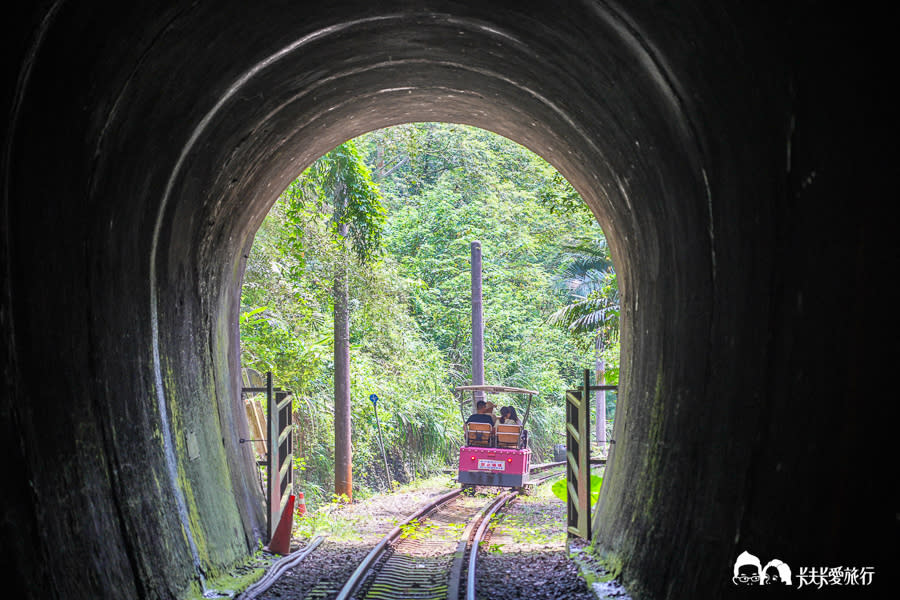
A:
(733, 154)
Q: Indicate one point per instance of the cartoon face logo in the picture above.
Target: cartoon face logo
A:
(776, 572)
(747, 570)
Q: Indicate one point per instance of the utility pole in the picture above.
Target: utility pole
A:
(477, 324)
(600, 365)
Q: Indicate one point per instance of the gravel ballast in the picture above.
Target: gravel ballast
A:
(524, 556)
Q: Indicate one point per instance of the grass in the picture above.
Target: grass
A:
(236, 580)
(535, 520)
(328, 520)
(417, 529)
(341, 521)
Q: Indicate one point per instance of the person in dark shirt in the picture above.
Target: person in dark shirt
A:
(482, 413)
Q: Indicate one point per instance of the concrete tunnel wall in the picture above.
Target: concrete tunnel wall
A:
(143, 148)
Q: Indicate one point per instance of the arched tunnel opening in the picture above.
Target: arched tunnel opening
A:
(549, 304)
(143, 149)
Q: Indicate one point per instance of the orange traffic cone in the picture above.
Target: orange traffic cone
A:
(301, 504)
(281, 539)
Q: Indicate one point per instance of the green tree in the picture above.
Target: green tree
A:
(450, 184)
(592, 288)
(340, 181)
(409, 327)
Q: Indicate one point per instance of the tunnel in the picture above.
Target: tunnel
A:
(733, 153)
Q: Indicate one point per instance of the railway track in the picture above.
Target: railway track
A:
(433, 555)
(279, 568)
(428, 556)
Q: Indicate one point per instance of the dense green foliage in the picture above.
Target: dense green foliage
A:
(339, 183)
(560, 488)
(593, 291)
(443, 186)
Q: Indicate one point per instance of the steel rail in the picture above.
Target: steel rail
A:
(460, 555)
(498, 504)
(363, 569)
(292, 560)
(278, 569)
(389, 574)
(484, 521)
(545, 466)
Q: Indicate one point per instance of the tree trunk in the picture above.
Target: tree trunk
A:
(379, 161)
(343, 451)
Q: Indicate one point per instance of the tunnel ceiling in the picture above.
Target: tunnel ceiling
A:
(144, 148)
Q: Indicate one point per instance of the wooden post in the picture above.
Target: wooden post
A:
(272, 492)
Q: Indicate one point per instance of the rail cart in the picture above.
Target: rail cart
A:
(495, 455)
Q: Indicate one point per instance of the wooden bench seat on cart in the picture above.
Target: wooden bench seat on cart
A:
(479, 434)
(508, 435)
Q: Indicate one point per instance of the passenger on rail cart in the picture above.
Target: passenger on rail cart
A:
(483, 413)
(494, 453)
(508, 416)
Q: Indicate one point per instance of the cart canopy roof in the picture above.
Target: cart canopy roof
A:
(494, 389)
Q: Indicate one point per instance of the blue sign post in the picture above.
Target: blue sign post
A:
(387, 470)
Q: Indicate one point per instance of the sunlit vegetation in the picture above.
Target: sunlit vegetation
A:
(531, 521)
(441, 187)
